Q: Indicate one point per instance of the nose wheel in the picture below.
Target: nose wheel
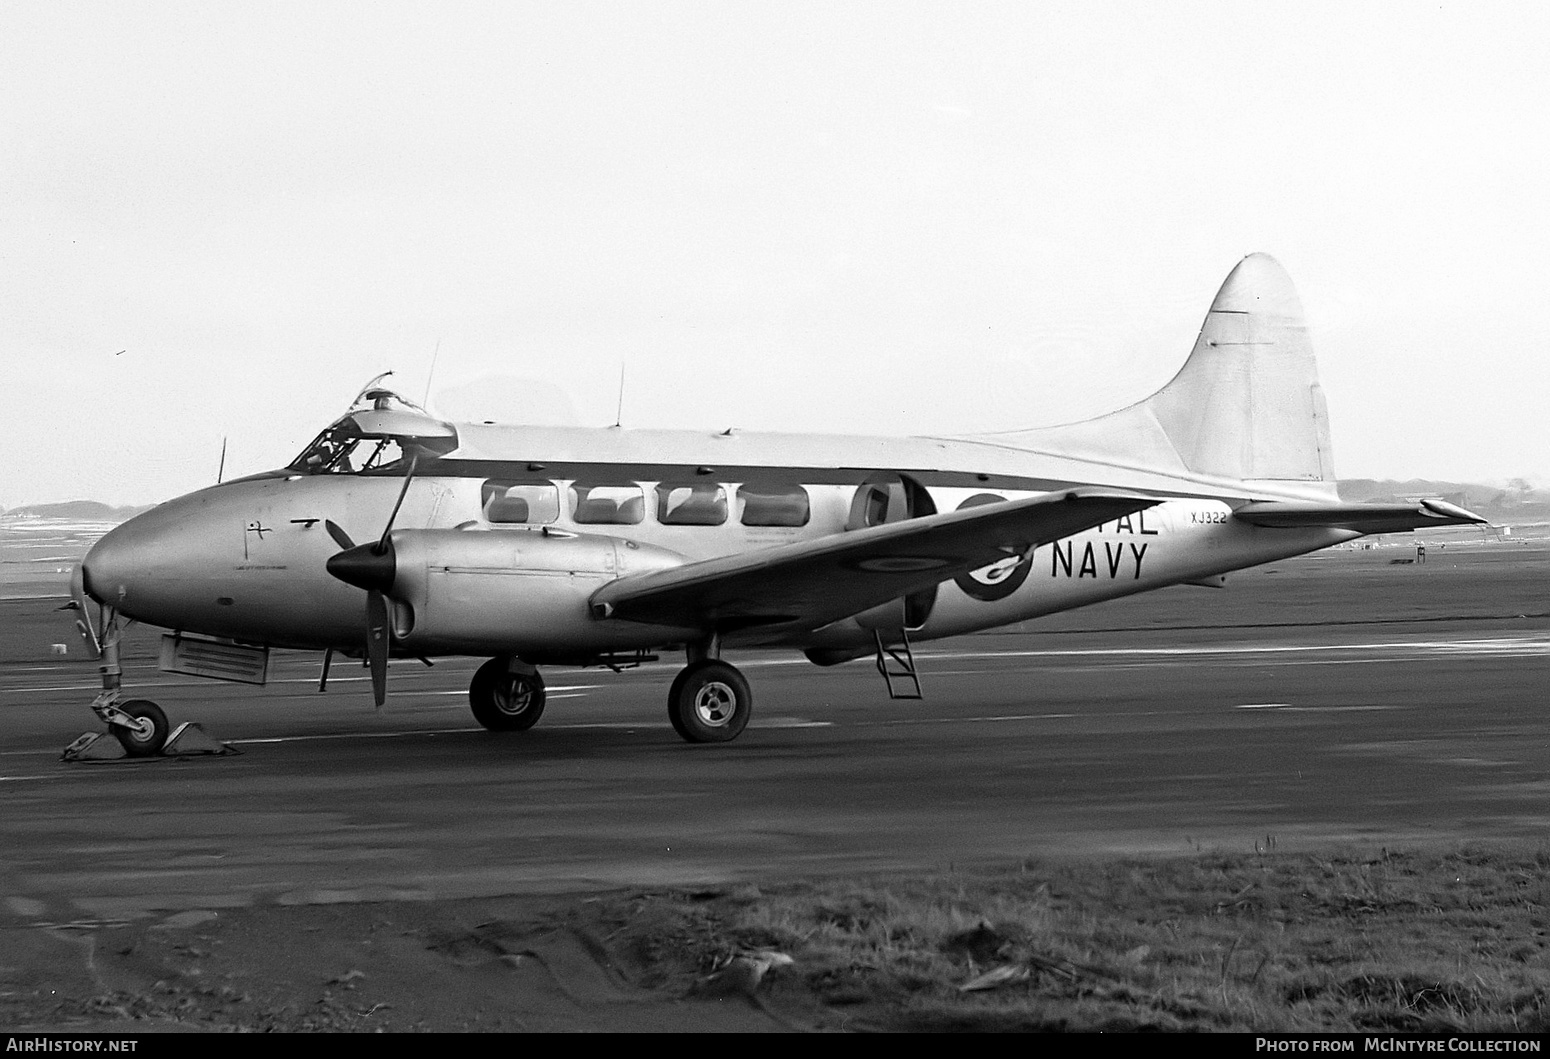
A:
(141, 727)
(710, 702)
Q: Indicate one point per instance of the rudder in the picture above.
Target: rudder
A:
(1246, 406)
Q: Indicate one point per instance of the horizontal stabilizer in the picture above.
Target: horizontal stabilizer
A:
(1364, 518)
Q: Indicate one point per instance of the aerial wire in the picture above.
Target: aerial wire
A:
(426, 400)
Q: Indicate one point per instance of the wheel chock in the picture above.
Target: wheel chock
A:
(189, 738)
(95, 746)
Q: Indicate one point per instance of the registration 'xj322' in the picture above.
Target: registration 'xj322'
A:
(398, 534)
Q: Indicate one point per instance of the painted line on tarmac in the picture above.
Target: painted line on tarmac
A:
(317, 737)
(997, 719)
(43, 669)
(549, 690)
(136, 687)
(1515, 645)
(323, 736)
(1287, 707)
(1369, 707)
(97, 686)
(773, 722)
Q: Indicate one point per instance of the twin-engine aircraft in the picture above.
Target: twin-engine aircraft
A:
(397, 534)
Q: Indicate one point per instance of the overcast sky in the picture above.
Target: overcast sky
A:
(220, 219)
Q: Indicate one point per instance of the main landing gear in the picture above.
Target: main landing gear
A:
(710, 701)
(507, 695)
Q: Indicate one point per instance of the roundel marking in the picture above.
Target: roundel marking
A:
(900, 564)
(1001, 578)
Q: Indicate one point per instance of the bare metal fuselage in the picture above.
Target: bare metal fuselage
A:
(247, 559)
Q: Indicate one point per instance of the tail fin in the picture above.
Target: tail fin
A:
(1245, 407)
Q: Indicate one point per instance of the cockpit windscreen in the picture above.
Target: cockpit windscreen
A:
(345, 448)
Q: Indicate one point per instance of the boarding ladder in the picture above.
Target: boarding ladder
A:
(897, 665)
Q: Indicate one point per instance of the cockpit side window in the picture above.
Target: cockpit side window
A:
(329, 453)
(341, 449)
(532, 503)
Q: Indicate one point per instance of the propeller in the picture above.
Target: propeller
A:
(372, 567)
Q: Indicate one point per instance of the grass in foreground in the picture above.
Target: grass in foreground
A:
(1389, 941)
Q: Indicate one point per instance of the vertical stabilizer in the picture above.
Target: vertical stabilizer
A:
(1246, 406)
(1247, 403)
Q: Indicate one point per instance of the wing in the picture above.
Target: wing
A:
(1365, 518)
(811, 583)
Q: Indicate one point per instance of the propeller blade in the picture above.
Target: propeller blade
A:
(341, 538)
(371, 567)
(414, 462)
(81, 604)
(377, 644)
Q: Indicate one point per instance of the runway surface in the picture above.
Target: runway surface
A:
(1317, 701)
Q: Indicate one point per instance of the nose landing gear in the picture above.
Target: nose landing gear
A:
(139, 724)
(143, 730)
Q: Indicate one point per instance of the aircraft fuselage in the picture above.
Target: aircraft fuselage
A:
(246, 559)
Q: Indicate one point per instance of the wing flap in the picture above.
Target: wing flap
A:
(1364, 518)
(811, 583)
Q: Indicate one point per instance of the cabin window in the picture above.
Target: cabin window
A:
(773, 505)
(533, 503)
(691, 504)
(607, 503)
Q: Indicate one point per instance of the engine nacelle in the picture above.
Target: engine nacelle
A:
(518, 591)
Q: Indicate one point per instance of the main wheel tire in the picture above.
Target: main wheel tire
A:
(504, 701)
(710, 702)
(672, 710)
(150, 731)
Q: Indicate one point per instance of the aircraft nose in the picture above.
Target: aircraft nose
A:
(111, 565)
(146, 566)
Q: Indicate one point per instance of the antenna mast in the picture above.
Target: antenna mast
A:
(430, 375)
